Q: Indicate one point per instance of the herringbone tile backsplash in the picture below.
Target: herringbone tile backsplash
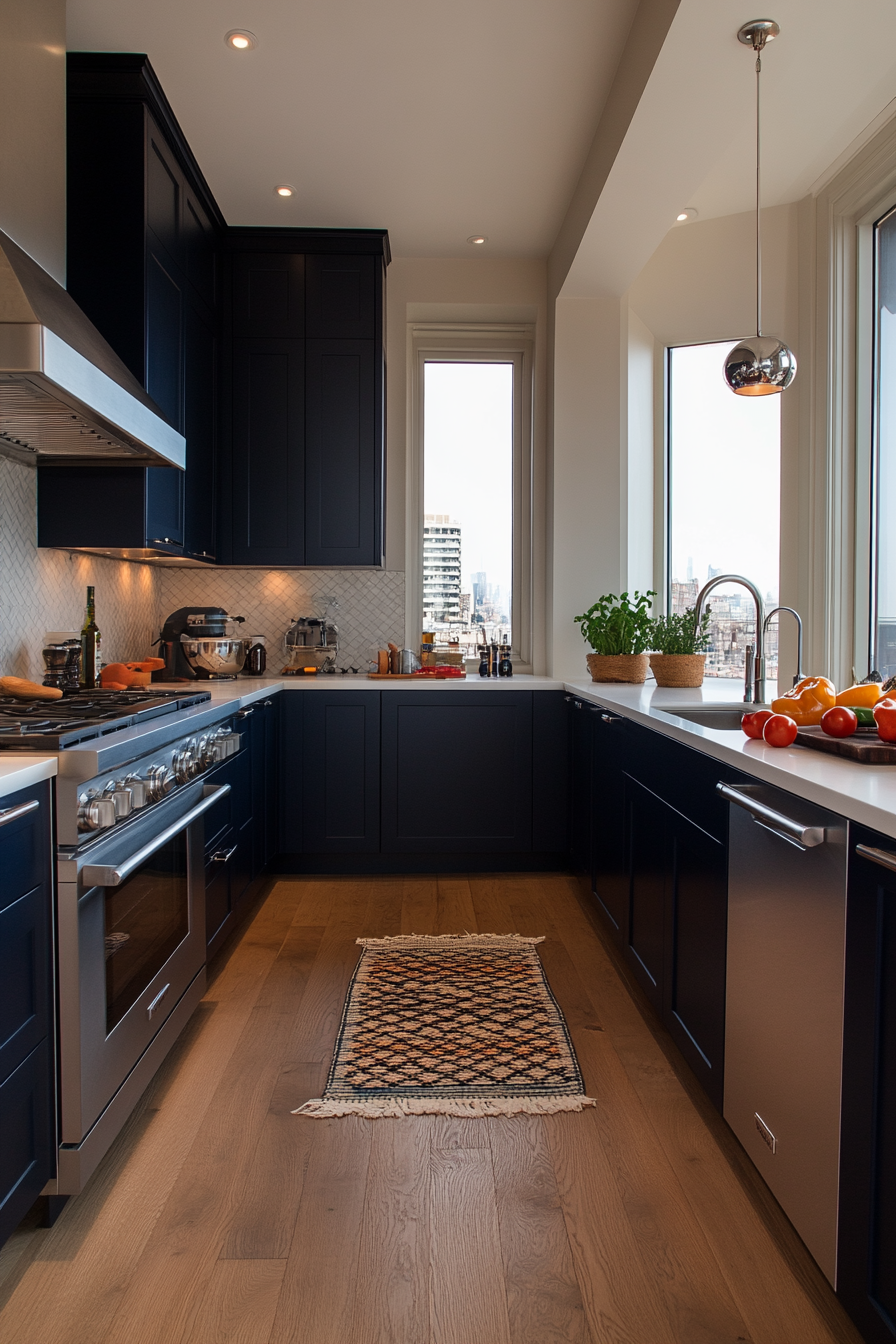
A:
(369, 614)
(44, 590)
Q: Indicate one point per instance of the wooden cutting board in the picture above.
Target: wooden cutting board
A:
(867, 749)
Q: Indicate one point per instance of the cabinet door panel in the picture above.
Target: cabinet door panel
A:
(613, 745)
(454, 810)
(24, 977)
(550, 773)
(580, 785)
(340, 302)
(867, 1225)
(164, 340)
(648, 864)
(268, 488)
(163, 193)
(340, 453)
(269, 296)
(200, 423)
(199, 250)
(341, 771)
(27, 1159)
(695, 974)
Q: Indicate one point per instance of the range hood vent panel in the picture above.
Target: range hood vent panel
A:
(64, 393)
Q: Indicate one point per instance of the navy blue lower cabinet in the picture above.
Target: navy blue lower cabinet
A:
(613, 746)
(229, 843)
(581, 783)
(550, 774)
(27, 1052)
(340, 771)
(291, 766)
(676, 927)
(457, 771)
(866, 1251)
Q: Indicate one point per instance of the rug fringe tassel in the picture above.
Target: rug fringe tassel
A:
(397, 1108)
(449, 940)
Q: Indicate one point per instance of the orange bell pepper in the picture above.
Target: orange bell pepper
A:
(867, 695)
(808, 700)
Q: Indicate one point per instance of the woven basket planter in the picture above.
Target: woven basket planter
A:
(630, 667)
(678, 669)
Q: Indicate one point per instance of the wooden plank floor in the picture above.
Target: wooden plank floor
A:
(220, 1218)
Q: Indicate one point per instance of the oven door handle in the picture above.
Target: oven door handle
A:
(96, 875)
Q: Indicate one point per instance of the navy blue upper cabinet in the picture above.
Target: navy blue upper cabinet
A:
(145, 272)
(341, 302)
(866, 1254)
(27, 1053)
(303, 464)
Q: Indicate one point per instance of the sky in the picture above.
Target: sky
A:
(468, 461)
(724, 472)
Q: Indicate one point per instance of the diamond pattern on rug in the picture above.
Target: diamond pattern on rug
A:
(451, 1025)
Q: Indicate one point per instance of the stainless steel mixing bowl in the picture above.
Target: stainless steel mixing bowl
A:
(216, 657)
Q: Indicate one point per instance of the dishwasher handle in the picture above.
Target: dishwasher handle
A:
(788, 829)
(884, 857)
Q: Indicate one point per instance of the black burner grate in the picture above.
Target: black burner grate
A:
(62, 723)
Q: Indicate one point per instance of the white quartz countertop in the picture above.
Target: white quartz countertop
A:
(863, 793)
(247, 689)
(21, 771)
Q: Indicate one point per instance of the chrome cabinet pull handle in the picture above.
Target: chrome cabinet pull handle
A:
(881, 856)
(224, 855)
(244, 713)
(156, 1001)
(777, 822)
(13, 813)
(97, 875)
(612, 718)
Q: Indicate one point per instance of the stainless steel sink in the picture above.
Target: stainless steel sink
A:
(713, 716)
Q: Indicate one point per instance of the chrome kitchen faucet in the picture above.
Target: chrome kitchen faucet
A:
(754, 674)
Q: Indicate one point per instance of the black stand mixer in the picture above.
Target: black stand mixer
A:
(196, 646)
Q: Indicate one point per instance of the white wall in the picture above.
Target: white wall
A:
(587, 532)
(32, 138)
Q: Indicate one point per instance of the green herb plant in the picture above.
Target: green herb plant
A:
(618, 624)
(680, 634)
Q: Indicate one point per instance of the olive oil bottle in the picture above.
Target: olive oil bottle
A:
(91, 646)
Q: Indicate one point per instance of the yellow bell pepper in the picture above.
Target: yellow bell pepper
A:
(867, 695)
(808, 700)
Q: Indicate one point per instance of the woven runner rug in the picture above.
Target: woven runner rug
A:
(451, 1025)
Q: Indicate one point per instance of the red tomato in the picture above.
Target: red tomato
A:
(753, 724)
(779, 730)
(839, 721)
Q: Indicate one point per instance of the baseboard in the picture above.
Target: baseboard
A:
(331, 864)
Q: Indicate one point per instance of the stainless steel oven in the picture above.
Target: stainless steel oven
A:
(131, 966)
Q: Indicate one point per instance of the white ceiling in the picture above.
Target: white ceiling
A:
(691, 141)
(436, 119)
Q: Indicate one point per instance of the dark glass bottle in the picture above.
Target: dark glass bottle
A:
(91, 645)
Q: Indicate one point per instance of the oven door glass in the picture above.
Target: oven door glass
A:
(147, 917)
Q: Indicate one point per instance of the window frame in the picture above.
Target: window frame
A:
(464, 343)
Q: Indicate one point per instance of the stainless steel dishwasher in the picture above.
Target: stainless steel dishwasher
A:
(784, 1001)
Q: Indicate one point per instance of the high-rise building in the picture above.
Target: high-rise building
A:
(441, 568)
(480, 591)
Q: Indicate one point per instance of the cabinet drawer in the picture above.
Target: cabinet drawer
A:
(25, 844)
(26, 1123)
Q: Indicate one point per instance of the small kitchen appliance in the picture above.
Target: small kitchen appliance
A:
(196, 646)
(312, 642)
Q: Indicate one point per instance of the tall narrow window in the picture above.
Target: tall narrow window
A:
(724, 501)
(468, 440)
(883, 559)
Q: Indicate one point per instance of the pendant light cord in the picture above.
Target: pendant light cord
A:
(758, 218)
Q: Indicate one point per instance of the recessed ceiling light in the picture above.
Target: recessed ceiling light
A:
(477, 239)
(284, 191)
(241, 39)
(684, 215)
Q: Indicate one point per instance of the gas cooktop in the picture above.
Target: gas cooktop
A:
(53, 725)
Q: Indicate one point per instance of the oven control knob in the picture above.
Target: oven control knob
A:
(95, 813)
(122, 798)
(160, 781)
(139, 790)
(182, 762)
(204, 757)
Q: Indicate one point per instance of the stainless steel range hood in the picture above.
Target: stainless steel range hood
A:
(64, 393)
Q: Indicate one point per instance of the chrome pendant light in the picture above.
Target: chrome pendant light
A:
(759, 364)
